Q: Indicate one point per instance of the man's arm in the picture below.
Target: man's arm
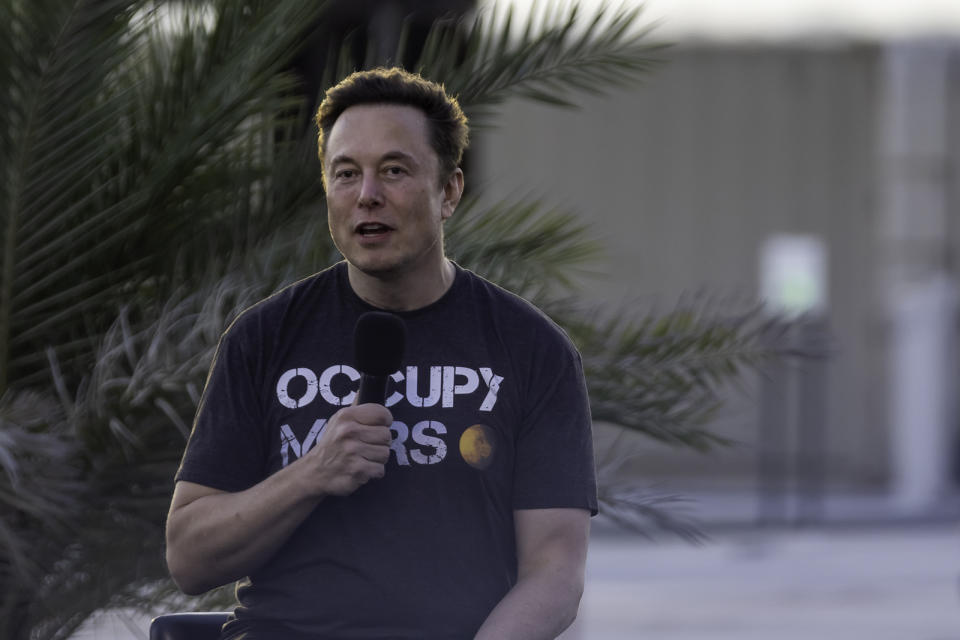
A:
(215, 537)
(551, 556)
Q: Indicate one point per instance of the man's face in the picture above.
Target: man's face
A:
(385, 203)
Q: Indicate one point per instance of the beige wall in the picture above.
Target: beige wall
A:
(684, 177)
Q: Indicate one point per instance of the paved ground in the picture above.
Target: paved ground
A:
(856, 583)
(871, 584)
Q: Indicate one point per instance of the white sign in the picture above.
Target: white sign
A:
(793, 274)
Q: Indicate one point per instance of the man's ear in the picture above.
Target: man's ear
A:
(452, 191)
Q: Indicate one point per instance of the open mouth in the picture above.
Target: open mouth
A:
(367, 229)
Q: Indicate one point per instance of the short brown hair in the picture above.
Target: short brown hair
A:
(448, 125)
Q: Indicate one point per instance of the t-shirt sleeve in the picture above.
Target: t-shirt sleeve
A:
(554, 465)
(225, 449)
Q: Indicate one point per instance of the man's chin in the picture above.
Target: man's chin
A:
(379, 269)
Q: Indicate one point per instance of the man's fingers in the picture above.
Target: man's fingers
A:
(376, 453)
(366, 470)
(377, 435)
(376, 470)
(370, 413)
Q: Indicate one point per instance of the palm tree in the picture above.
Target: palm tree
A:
(158, 177)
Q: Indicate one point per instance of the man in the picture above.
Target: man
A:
(460, 507)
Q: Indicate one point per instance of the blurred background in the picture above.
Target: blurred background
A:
(808, 153)
(769, 326)
(805, 153)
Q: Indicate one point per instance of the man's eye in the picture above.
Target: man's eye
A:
(345, 173)
(395, 171)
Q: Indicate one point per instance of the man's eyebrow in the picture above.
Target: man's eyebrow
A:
(341, 158)
(398, 155)
(389, 155)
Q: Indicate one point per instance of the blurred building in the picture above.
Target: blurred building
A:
(685, 178)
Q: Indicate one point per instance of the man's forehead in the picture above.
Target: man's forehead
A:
(375, 124)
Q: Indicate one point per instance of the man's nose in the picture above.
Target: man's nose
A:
(370, 193)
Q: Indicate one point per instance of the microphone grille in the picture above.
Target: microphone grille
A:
(379, 340)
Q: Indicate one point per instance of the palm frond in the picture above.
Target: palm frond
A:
(55, 55)
(130, 419)
(556, 56)
(41, 490)
(666, 375)
(525, 246)
(147, 149)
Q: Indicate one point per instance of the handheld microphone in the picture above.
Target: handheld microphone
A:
(379, 340)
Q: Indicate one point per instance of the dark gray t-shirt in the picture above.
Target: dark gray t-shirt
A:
(490, 415)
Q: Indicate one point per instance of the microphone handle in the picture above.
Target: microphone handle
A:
(372, 389)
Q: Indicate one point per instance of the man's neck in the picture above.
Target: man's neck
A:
(403, 293)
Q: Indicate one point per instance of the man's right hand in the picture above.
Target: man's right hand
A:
(215, 537)
(353, 449)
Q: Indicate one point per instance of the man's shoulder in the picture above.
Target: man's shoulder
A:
(512, 310)
(485, 290)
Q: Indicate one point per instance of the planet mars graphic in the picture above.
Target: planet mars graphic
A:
(477, 446)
